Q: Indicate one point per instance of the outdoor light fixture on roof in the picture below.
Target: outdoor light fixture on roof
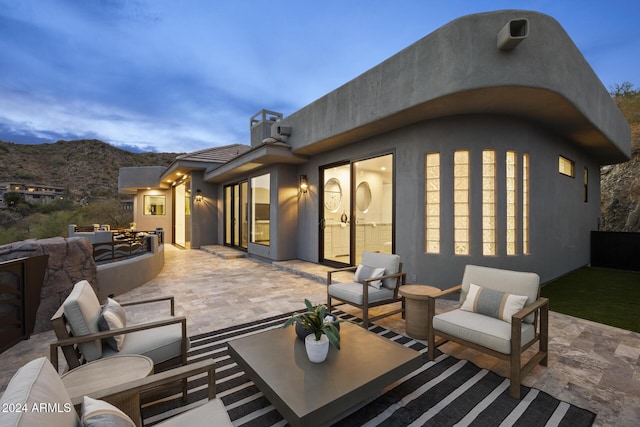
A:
(304, 184)
(199, 196)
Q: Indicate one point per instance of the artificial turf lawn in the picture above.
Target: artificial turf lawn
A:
(602, 295)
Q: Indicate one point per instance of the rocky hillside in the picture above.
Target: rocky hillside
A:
(620, 184)
(86, 168)
(620, 188)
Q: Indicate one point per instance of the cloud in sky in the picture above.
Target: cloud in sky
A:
(181, 76)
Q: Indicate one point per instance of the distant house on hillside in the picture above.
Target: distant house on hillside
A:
(32, 193)
(479, 144)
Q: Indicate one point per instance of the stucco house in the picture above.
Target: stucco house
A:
(479, 144)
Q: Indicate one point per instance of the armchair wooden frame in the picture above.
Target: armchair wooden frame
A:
(69, 343)
(402, 280)
(516, 371)
(158, 381)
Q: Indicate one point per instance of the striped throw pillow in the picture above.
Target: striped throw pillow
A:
(490, 302)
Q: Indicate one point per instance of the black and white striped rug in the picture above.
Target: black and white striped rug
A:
(444, 392)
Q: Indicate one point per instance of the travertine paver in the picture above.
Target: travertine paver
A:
(591, 365)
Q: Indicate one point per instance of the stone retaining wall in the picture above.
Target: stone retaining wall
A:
(70, 260)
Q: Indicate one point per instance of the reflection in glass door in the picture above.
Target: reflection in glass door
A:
(336, 213)
(373, 183)
(357, 211)
(235, 214)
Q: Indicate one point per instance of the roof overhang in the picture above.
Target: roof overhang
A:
(180, 168)
(256, 158)
(542, 107)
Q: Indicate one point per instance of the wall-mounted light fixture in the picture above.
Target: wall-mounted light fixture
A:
(198, 196)
(304, 184)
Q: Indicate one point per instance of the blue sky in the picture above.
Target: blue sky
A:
(180, 76)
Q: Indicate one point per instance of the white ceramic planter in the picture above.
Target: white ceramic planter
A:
(317, 350)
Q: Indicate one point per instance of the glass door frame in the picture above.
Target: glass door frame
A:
(322, 222)
(239, 234)
(352, 213)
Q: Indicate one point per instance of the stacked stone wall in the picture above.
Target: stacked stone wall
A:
(70, 260)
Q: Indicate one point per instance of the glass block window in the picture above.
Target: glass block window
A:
(432, 203)
(461, 221)
(488, 202)
(525, 204)
(586, 184)
(511, 205)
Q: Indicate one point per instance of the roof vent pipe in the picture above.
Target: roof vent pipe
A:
(513, 33)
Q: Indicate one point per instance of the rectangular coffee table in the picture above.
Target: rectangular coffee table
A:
(310, 394)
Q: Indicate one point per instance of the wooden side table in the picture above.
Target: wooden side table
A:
(108, 372)
(417, 309)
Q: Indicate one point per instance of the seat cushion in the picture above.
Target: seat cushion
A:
(390, 262)
(37, 383)
(352, 292)
(213, 412)
(158, 344)
(82, 311)
(480, 329)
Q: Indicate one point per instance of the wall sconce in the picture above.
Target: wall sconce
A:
(198, 196)
(304, 183)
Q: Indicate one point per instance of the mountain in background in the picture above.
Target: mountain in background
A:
(87, 169)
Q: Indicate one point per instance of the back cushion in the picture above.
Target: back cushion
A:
(36, 397)
(512, 282)
(82, 311)
(391, 264)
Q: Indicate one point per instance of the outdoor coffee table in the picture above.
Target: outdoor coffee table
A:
(108, 372)
(310, 394)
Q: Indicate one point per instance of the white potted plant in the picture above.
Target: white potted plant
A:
(323, 327)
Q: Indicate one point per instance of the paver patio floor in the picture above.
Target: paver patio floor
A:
(591, 365)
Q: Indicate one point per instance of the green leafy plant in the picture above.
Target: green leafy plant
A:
(314, 320)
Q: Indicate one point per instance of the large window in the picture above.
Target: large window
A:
(432, 203)
(488, 202)
(154, 205)
(461, 232)
(260, 209)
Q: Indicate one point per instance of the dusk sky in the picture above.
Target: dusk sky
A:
(180, 76)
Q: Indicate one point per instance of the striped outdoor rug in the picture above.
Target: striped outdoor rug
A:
(444, 392)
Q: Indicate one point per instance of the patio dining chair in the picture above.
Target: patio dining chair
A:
(501, 314)
(76, 324)
(375, 282)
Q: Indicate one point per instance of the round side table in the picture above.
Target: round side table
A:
(108, 372)
(417, 309)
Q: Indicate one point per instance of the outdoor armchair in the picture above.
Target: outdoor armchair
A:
(501, 314)
(37, 383)
(76, 323)
(376, 281)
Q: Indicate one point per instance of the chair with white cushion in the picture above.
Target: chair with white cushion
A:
(376, 281)
(87, 331)
(501, 313)
(36, 396)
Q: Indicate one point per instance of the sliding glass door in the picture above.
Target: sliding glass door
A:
(235, 215)
(357, 210)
